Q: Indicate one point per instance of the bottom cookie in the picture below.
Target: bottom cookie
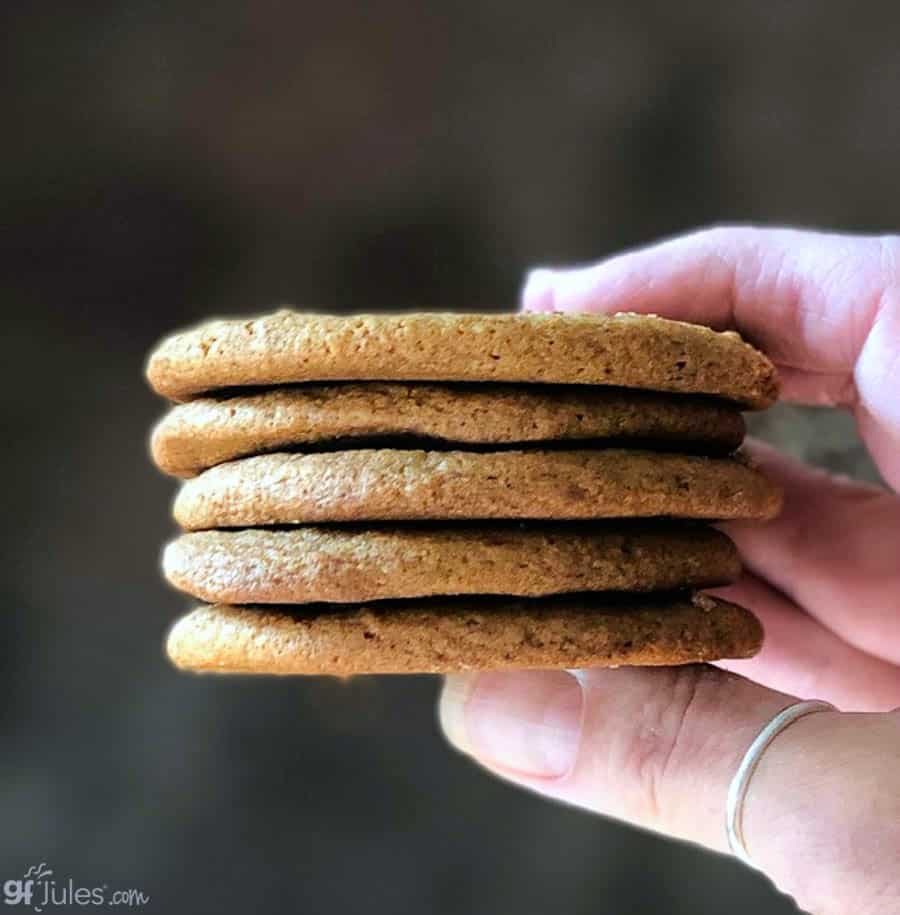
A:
(482, 633)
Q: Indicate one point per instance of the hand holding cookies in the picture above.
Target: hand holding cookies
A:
(660, 748)
(526, 502)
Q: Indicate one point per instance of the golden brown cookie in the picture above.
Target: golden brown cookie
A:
(312, 564)
(477, 633)
(395, 485)
(209, 431)
(625, 350)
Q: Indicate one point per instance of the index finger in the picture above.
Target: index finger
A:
(824, 307)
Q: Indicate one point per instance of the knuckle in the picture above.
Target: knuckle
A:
(722, 230)
(661, 740)
(728, 236)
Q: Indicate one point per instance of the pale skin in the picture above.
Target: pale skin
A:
(658, 747)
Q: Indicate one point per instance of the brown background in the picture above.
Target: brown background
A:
(162, 162)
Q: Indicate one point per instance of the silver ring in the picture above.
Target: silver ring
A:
(737, 792)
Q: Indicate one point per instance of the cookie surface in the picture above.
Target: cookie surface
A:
(209, 431)
(395, 485)
(479, 633)
(314, 564)
(632, 351)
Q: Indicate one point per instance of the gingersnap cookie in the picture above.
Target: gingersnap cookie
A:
(473, 633)
(316, 564)
(625, 350)
(395, 485)
(209, 431)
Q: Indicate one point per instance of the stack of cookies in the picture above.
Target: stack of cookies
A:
(437, 492)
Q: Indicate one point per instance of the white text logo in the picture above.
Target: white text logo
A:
(38, 890)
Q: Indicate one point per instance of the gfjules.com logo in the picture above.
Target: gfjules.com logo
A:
(38, 890)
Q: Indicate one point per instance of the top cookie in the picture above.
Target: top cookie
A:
(625, 350)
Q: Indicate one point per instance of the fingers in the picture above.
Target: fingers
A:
(825, 308)
(833, 550)
(802, 657)
(659, 747)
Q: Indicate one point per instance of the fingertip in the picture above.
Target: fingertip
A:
(525, 721)
(568, 289)
(537, 290)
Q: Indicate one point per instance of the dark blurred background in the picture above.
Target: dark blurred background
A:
(164, 162)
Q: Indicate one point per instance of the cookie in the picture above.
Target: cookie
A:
(345, 565)
(625, 350)
(209, 431)
(395, 485)
(479, 633)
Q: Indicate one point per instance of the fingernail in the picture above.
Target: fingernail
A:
(537, 291)
(526, 721)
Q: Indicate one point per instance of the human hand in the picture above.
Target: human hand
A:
(658, 748)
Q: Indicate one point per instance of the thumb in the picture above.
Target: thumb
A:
(824, 307)
(659, 747)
